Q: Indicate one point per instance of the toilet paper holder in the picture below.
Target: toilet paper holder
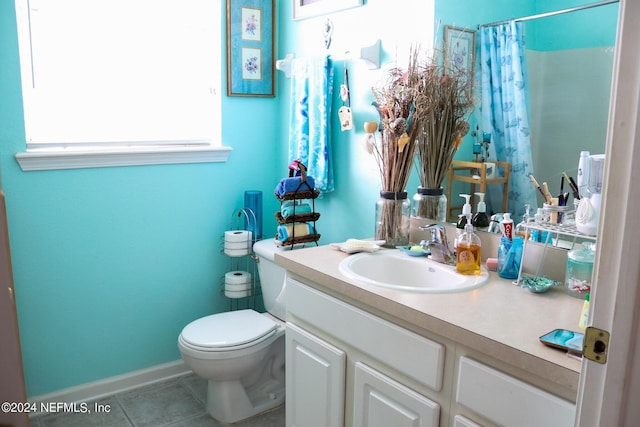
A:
(240, 284)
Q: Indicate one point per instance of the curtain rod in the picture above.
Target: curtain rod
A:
(557, 12)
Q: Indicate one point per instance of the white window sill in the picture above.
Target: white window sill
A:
(98, 157)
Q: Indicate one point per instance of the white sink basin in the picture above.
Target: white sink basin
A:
(396, 270)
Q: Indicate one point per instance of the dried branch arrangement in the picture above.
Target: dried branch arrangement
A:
(395, 102)
(445, 99)
(423, 109)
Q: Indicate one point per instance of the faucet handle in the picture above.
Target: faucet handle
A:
(438, 244)
(431, 226)
(438, 232)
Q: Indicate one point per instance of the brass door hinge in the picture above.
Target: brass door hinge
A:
(596, 344)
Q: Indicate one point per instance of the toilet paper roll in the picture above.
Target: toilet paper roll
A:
(237, 236)
(237, 288)
(236, 252)
(237, 277)
(237, 294)
(236, 245)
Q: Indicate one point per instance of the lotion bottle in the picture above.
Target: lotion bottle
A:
(480, 220)
(468, 254)
(463, 219)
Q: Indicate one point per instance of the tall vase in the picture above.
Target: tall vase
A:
(430, 203)
(392, 218)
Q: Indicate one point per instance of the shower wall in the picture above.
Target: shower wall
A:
(570, 92)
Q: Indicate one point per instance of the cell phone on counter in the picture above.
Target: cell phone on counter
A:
(564, 339)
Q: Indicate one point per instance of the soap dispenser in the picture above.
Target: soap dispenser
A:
(468, 255)
(480, 220)
(463, 218)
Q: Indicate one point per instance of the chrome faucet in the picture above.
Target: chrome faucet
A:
(438, 244)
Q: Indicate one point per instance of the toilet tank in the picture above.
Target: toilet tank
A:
(271, 276)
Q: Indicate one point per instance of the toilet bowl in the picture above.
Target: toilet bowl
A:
(241, 353)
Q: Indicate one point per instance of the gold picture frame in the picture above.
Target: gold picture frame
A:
(251, 30)
(459, 48)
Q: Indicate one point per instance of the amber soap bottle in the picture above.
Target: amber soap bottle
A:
(468, 251)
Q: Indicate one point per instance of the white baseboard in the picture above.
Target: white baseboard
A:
(112, 385)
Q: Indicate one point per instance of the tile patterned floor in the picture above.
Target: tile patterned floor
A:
(178, 402)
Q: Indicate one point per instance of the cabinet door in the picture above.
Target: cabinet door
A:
(315, 372)
(380, 401)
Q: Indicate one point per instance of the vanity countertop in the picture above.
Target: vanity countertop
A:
(499, 319)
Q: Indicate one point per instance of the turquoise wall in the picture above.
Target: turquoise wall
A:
(582, 29)
(109, 264)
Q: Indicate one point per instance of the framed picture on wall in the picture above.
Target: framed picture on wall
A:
(459, 48)
(308, 8)
(250, 48)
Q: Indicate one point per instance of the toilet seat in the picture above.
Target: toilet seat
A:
(228, 331)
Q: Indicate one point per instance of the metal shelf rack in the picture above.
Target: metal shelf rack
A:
(246, 262)
(568, 231)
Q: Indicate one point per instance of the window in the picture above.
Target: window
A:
(120, 82)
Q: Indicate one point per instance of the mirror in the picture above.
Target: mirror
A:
(570, 63)
(570, 66)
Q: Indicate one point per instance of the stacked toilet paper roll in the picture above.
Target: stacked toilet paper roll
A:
(237, 284)
(237, 243)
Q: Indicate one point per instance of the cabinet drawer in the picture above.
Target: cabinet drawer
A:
(407, 352)
(508, 401)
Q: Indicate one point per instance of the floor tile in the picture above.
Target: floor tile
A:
(197, 385)
(199, 421)
(110, 415)
(178, 402)
(273, 418)
(160, 405)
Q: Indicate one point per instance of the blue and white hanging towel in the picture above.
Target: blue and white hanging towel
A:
(310, 118)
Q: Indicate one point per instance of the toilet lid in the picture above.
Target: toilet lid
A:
(229, 329)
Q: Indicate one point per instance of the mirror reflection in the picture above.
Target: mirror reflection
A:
(569, 62)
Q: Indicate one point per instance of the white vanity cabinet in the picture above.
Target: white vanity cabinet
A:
(369, 356)
(347, 367)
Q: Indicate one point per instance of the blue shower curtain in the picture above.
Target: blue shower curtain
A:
(505, 110)
(310, 118)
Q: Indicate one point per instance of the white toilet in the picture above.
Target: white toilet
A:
(241, 353)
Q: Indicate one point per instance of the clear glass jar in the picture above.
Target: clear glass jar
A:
(392, 218)
(579, 270)
(429, 203)
(554, 214)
